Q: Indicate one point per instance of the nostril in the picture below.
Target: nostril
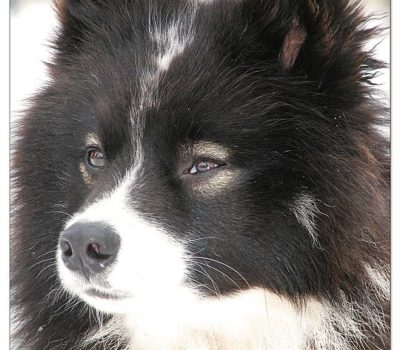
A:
(65, 248)
(93, 251)
(94, 247)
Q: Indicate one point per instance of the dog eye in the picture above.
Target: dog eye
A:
(203, 166)
(95, 158)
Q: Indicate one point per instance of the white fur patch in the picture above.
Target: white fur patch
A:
(170, 40)
(249, 320)
(254, 319)
(380, 278)
(305, 210)
(171, 43)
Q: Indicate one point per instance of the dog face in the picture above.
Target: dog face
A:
(188, 162)
(208, 158)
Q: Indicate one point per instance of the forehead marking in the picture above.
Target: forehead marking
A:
(171, 43)
(211, 149)
(92, 139)
(168, 40)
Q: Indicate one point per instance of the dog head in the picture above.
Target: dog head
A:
(208, 143)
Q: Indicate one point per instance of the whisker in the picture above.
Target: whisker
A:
(223, 264)
(204, 273)
(44, 269)
(46, 253)
(60, 212)
(222, 273)
(40, 262)
(202, 238)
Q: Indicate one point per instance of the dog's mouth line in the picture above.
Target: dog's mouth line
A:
(96, 293)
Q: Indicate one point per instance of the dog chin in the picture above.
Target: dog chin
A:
(107, 302)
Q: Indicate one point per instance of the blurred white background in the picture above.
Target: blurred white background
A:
(33, 22)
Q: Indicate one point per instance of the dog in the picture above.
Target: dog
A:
(203, 175)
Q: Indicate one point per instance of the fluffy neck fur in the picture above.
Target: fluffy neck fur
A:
(255, 319)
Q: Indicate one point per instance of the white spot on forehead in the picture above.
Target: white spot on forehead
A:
(168, 41)
(171, 43)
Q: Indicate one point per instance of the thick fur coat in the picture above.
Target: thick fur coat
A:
(231, 151)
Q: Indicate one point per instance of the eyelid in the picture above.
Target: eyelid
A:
(218, 164)
(207, 158)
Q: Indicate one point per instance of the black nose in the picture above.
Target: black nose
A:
(89, 248)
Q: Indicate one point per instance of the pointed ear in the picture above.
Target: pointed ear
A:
(324, 40)
(292, 44)
(75, 17)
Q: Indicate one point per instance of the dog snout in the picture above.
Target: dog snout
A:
(89, 248)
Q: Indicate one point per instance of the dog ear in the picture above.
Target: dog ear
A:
(323, 40)
(335, 53)
(292, 44)
(276, 32)
(75, 17)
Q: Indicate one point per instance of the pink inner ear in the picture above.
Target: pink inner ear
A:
(292, 44)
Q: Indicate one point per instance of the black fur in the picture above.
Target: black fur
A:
(301, 125)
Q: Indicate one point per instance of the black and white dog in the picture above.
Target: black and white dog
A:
(203, 175)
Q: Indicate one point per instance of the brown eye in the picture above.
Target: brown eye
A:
(95, 158)
(203, 166)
